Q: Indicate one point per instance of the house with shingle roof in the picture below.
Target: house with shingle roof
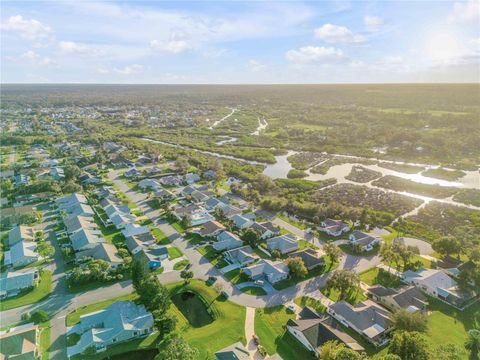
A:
(101, 251)
(20, 233)
(84, 239)
(312, 330)
(311, 258)
(272, 271)
(233, 352)
(266, 229)
(333, 227)
(21, 254)
(242, 256)
(12, 282)
(227, 241)
(241, 222)
(122, 321)
(211, 229)
(362, 240)
(407, 297)
(366, 318)
(284, 244)
(21, 344)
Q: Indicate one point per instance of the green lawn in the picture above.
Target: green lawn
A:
(40, 292)
(194, 239)
(174, 253)
(297, 224)
(44, 339)
(227, 328)
(348, 249)
(310, 302)
(448, 325)
(303, 244)
(180, 265)
(377, 276)
(269, 327)
(254, 290)
(213, 256)
(353, 297)
(160, 237)
(236, 276)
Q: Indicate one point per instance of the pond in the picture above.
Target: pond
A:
(193, 308)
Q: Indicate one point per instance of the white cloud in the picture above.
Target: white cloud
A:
(372, 23)
(465, 12)
(315, 54)
(70, 47)
(337, 34)
(35, 58)
(29, 29)
(129, 69)
(256, 66)
(172, 46)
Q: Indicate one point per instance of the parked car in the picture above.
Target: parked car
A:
(188, 266)
(260, 282)
(211, 280)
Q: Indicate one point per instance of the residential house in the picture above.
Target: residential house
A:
(164, 195)
(241, 222)
(154, 170)
(133, 173)
(364, 241)
(122, 321)
(284, 244)
(311, 258)
(409, 298)
(75, 223)
(333, 227)
(71, 199)
(232, 180)
(20, 343)
(227, 241)
(21, 254)
(84, 239)
(266, 229)
(153, 256)
(235, 351)
(242, 256)
(272, 271)
(87, 178)
(439, 284)
(366, 318)
(230, 211)
(211, 229)
(50, 163)
(20, 233)
(101, 251)
(312, 330)
(57, 173)
(134, 229)
(152, 184)
(79, 209)
(12, 283)
(212, 203)
(188, 190)
(120, 219)
(209, 174)
(191, 178)
(195, 214)
(5, 174)
(170, 180)
(21, 179)
(135, 243)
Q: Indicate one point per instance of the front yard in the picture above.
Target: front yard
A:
(354, 296)
(40, 292)
(213, 256)
(378, 276)
(270, 329)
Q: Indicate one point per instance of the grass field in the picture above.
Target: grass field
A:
(40, 292)
(377, 276)
(353, 297)
(310, 302)
(174, 253)
(254, 290)
(269, 327)
(44, 339)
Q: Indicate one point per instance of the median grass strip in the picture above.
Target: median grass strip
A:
(40, 292)
(253, 290)
(180, 265)
(270, 329)
(44, 339)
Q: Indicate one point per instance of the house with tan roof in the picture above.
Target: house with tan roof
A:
(21, 343)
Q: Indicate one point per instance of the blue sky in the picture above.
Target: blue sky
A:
(240, 42)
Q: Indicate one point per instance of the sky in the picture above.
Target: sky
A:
(231, 42)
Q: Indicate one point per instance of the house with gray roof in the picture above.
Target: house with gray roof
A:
(153, 256)
(227, 241)
(364, 241)
(284, 244)
(13, 282)
(134, 229)
(135, 243)
(75, 223)
(312, 330)
(122, 321)
(439, 284)
(333, 227)
(71, 199)
(241, 222)
(20, 233)
(101, 251)
(164, 195)
(149, 184)
(266, 229)
(242, 256)
(22, 254)
(311, 258)
(191, 178)
(198, 196)
(409, 298)
(211, 229)
(85, 239)
(20, 343)
(233, 352)
(272, 271)
(78, 209)
(366, 318)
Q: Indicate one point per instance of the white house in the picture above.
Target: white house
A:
(364, 241)
(333, 227)
(12, 283)
(272, 271)
(283, 243)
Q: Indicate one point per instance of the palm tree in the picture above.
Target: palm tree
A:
(473, 343)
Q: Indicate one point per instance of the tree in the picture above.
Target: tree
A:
(334, 350)
(251, 236)
(182, 165)
(406, 321)
(473, 343)
(409, 346)
(140, 272)
(297, 267)
(344, 281)
(333, 251)
(186, 275)
(186, 221)
(45, 250)
(71, 171)
(173, 347)
(387, 357)
(263, 184)
(447, 245)
(39, 316)
(164, 323)
(71, 187)
(388, 255)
